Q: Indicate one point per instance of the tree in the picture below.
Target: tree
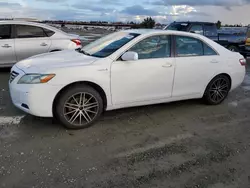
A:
(218, 24)
(148, 23)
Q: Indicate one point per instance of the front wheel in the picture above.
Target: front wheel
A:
(217, 90)
(79, 107)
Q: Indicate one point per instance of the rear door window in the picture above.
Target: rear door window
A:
(27, 31)
(188, 46)
(48, 32)
(5, 32)
(208, 50)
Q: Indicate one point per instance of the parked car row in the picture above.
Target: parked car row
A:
(234, 42)
(21, 40)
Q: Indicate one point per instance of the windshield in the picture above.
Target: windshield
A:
(178, 26)
(107, 45)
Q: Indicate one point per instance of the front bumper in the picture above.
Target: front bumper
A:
(35, 99)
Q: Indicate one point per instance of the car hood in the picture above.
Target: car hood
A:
(44, 62)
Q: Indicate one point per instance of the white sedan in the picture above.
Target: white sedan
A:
(124, 69)
(20, 40)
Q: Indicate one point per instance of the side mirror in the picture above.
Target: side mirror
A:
(130, 56)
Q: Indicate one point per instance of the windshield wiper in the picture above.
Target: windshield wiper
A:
(83, 52)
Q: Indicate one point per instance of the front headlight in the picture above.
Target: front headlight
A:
(35, 78)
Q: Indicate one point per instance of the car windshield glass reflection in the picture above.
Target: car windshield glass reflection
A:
(108, 44)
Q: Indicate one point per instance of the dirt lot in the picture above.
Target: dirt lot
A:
(179, 145)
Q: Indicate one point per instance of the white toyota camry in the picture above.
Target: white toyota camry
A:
(124, 69)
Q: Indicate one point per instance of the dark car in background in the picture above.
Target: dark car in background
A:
(232, 41)
(248, 39)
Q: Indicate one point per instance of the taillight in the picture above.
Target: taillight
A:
(77, 42)
(243, 62)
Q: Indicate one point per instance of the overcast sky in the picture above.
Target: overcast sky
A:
(164, 11)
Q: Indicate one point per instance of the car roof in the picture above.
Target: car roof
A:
(19, 22)
(159, 31)
(30, 23)
(194, 22)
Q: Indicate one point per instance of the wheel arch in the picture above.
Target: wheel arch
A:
(97, 87)
(224, 74)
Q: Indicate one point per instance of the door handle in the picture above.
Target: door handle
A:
(167, 65)
(6, 46)
(214, 61)
(43, 44)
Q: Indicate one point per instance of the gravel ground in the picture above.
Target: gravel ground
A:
(177, 145)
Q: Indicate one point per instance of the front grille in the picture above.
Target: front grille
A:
(13, 75)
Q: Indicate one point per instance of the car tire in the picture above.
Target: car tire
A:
(78, 107)
(217, 90)
(233, 48)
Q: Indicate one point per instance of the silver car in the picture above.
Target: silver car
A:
(20, 40)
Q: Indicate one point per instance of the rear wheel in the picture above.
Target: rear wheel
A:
(79, 107)
(217, 90)
(233, 48)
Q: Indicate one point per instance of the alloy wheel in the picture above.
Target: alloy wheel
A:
(219, 90)
(81, 109)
